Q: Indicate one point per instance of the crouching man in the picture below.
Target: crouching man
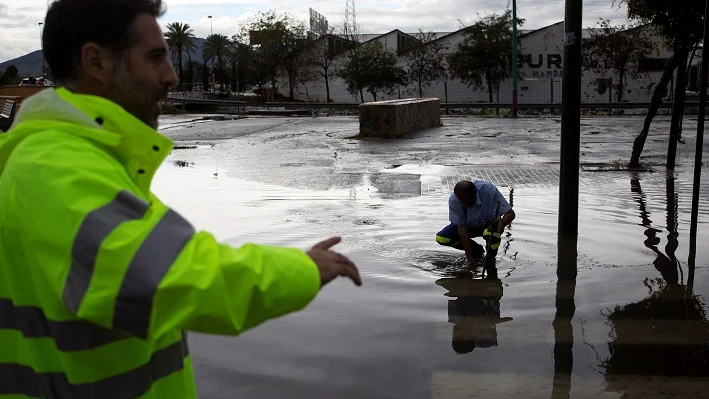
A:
(473, 212)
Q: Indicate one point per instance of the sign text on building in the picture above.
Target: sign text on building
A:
(552, 60)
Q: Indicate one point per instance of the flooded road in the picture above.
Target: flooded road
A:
(623, 316)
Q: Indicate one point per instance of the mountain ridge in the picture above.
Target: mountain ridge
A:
(31, 63)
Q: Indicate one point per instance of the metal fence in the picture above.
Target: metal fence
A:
(538, 93)
(545, 90)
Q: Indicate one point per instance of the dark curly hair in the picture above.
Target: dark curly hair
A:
(465, 188)
(70, 24)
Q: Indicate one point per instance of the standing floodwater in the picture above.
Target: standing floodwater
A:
(621, 315)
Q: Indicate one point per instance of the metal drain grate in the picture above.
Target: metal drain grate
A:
(507, 176)
(501, 176)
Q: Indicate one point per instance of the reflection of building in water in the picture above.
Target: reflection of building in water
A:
(474, 313)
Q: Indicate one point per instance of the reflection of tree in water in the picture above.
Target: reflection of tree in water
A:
(666, 333)
(667, 265)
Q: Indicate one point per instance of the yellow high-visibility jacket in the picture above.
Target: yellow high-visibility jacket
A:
(99, 280)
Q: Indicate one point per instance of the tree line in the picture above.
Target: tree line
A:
(680, 29)
(271, 45)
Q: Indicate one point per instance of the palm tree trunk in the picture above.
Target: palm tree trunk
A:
(327, 88)
(221, 73)
(190, 71)
(179, 65)
(205, 75)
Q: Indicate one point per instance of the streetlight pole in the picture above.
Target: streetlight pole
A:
(41, 43)
(211, 32)
(514, 59)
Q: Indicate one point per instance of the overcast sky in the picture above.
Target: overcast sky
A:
(20, 30)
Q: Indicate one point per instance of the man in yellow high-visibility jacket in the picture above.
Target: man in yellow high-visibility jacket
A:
(99, 280)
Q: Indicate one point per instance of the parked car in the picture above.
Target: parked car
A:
(691, 96)
(33, 81)
(44, 82)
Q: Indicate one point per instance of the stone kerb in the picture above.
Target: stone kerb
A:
(397, 118)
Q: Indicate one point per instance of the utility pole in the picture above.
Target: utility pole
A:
(211, 32)
(515, 77)
(570, 120)
(41, 44)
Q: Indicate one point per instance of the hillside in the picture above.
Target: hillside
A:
(31, 63)
(28, 64)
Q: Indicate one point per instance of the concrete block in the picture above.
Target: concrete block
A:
(397, 118)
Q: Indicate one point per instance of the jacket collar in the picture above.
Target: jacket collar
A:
(139, 147)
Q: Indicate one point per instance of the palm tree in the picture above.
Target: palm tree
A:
(244, 58)
(218, 46)
(232, 59)
(180, 39)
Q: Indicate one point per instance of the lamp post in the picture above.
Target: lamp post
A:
(515, 73)
(41, 43)
(211, 32)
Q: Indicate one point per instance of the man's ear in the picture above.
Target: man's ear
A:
(97, 63)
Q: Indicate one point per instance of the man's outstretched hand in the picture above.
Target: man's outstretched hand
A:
(331, 264)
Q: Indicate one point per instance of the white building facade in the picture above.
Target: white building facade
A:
(540, 69)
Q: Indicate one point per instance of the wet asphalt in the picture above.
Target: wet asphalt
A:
(623, 318)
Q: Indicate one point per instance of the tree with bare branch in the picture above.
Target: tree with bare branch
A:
(426, 62)
(682, 27)
(619, 48)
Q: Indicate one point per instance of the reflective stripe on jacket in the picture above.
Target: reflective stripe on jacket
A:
(98, 278)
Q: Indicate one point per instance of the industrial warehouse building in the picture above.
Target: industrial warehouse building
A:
(540, 71)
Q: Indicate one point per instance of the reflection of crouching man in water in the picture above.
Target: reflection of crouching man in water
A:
(475, 313)
(472, 210)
